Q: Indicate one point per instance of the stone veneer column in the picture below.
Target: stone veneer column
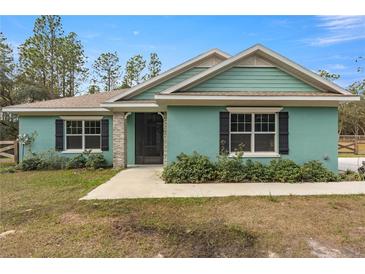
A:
(119, 140)
(165, 138)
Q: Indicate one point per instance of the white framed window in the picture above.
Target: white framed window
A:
(253, 133)
(82, 135)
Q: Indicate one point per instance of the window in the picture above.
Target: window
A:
(253, 132)
(81, 135)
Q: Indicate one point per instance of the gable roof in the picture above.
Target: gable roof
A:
(282, 62)
(170, 73)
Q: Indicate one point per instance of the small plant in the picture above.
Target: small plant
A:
(257, 172)
(350, 175)
(45, 160)
(78, 161)
(362, 169)
(26, 140)
(95, 161)
(194, 168)
(314, 171)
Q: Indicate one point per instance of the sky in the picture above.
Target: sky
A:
(316, 42)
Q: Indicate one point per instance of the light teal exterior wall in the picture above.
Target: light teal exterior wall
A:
(149, 94)
(312, 133)
(45, 128)
(131, 139)
(253, 79)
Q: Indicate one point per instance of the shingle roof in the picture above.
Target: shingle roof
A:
(83, 101)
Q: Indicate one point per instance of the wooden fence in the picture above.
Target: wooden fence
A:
(8, 151)
(352, 144)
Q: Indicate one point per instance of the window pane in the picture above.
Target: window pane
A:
(240, 139)
(248, 127)
(233, 117)
(241, 127)
(265, 142)
(74, 142)
(234, 127)
(92, 142)
(272, 127)
(264, 122)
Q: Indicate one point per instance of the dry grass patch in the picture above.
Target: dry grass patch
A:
(49, 221)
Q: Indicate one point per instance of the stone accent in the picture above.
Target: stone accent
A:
(119, 140)
(165, 138)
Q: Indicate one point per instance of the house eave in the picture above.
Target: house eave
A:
(172, 99)
(56, 111)
(125, 106)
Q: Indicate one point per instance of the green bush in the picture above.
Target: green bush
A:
(315, 171)
(230, 169)
(193, 168)
(284, 171)
(257, 172)
(32, 161)
(95, 161)
(45, 160)
(78, 161)
(350, 175)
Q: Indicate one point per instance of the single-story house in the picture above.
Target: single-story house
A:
(257, 100)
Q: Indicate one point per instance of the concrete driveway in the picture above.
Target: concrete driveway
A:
(145, 182)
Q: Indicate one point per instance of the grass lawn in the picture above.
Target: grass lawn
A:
(49, 221)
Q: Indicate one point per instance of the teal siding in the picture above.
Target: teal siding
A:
(253, 79)
(131, 139)
(45, 128)
(149, 93)
(312, 133)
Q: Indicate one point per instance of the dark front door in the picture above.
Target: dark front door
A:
(149, 138)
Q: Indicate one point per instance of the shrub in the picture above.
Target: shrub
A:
(230, 169)
(193, 168)
(257, 172)
(284, 170)
(45, 160)
(32, 161)
(350, 175)
(315, 171)
(78, 161)
(95, 161)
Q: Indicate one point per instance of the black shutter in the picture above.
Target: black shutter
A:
(59, 134)
(104, 134)
(223, 132)
(283, 132)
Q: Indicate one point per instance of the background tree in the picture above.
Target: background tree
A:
(154, 66)
(93, 88)
(133, 71)
(107, 69)
(71, 65)
(8, 122)
(327, 75)
(51, 61)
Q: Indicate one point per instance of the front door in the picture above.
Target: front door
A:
(149, 138)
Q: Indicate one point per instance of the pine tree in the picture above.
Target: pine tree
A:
(107, 69)
(133, 71)
(154, 66)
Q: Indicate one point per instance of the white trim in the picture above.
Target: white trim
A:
(81, 151)
(164, 76)
(25, 109)
(254, 110)
(257, 155)
(257, 98)
(78, 118)
(269, 54)
(127, 104)
(83, 135)
(253, 133)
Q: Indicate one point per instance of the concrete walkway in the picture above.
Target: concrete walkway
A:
(145, 182)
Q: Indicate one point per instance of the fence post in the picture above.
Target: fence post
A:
(16, 151)
(356, 148)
